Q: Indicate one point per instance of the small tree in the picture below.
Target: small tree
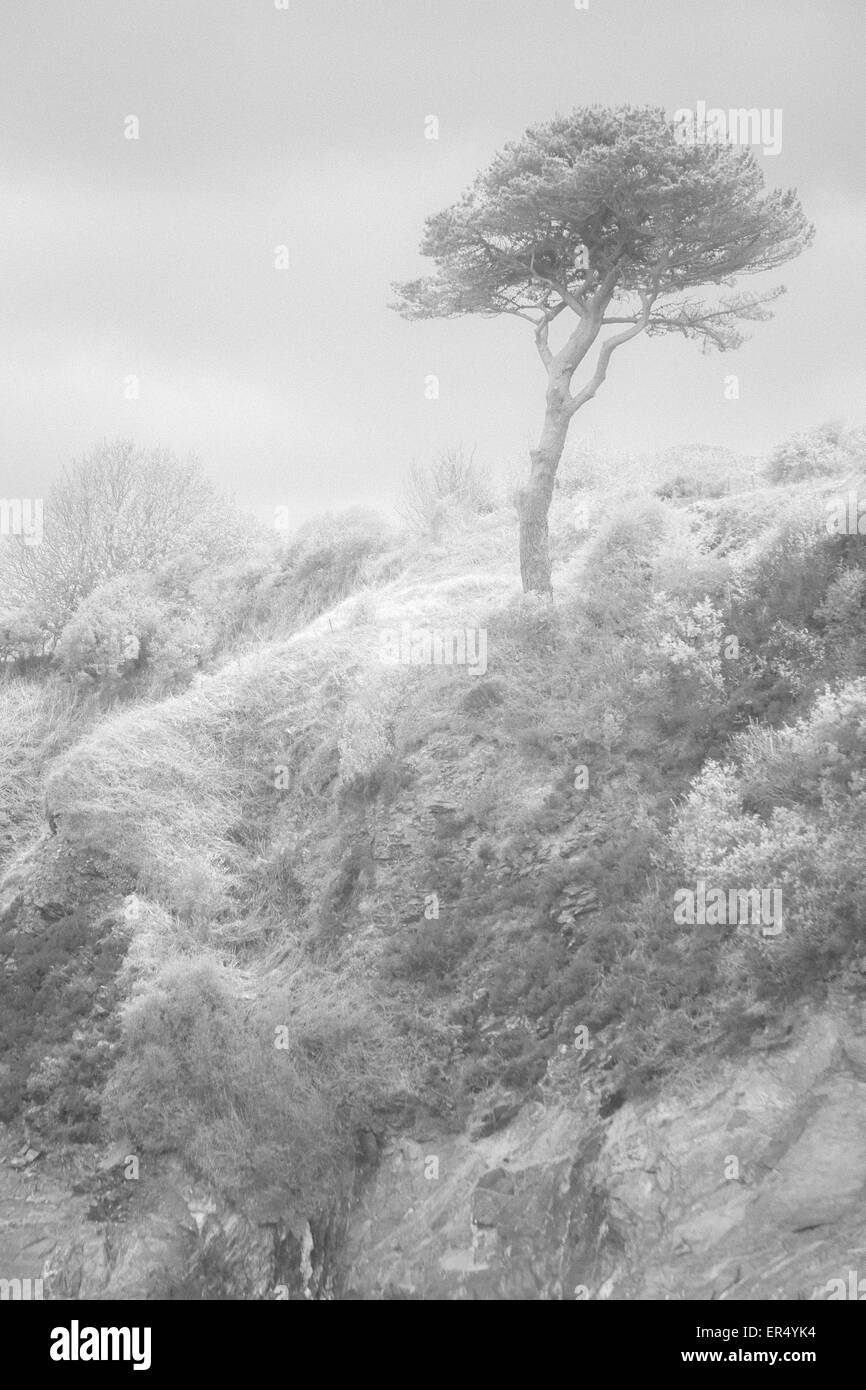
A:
(608, 217)
(20, 635)
(119, 510)
(110, 626)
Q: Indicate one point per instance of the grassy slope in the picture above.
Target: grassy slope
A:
(288, 820)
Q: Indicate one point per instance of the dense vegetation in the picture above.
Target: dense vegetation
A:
(281, 806)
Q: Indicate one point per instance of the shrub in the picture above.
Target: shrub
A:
(325, 561)
(452, 489)
(530, 624)
(38, 719)
(368, 732)
(429, 952)
(592, 463)
(620, 564)
(49, 984)
(110, 626)
(699, 470)
(686, 643)
(789, 813)
(183, 792)
(842, 616)
(150, 787)
(789, 570)
(21, 635)
(484, 696)
(263, 1099)
(823, 451)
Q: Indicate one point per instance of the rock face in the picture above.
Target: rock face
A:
(742, 1179)
(743, 1184)
(745, 1181)
(89, 1234)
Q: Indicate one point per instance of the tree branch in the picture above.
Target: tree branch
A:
(514, 263)
(541, 334)
(522, 314)
(607, 350)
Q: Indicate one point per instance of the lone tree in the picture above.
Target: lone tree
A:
(609, 217)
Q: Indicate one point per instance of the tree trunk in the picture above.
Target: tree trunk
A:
(533, 502)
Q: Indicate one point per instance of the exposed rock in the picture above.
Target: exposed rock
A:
(27, 1156)
(52, 911)
(167, 1240)
(743, 1184)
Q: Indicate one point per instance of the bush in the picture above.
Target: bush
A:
(263, 1099)
(110, 626)
(368, 731)
(484, 696)
(620, 564)
(21, 635)
(429, 952)
(452, 489)
(592, 464)
(789, 813)
(826, 450)
(49, 984)
(699, 470)
(38, 719)
(151, 788)
(183, 793)
(325, 561)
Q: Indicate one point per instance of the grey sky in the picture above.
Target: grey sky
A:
(305, 127)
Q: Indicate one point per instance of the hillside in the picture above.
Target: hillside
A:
(329, 974)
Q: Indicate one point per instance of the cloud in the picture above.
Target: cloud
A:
(305, 128)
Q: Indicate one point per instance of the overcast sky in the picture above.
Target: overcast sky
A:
(306, 127)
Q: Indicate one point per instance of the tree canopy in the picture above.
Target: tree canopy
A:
(607, 209)
(609, 217)
(118, 510)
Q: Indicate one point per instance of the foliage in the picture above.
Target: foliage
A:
(324, 561)
(110, 626)
(453, 488)
(263, 1099)
(178, 790)
(699, 471)
(825, 450)
(789, 812)
(556, 896)
(119, 510)
(56, 1055)
(610, 202)
(38, 719)
(21, 634)
(368, 728)
(620, 563)
(429, 952)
